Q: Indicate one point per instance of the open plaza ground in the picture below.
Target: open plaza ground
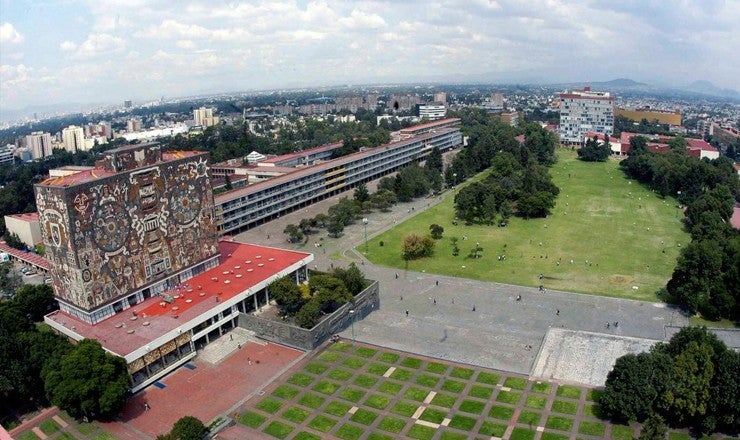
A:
(607, 235)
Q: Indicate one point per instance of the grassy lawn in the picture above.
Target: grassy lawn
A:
(377, 369)
(560, 423)
(322, 423)
(530, 418)
(724, 323)
(365, 381)
(390, 387)
(404, 409)
(511, 397)
(269, 405)
(522, 434)
(417, 394)
(437, 368)
(377, 401)
(449, 435)
(444, 400)
(392, 424)
(365, 352)
(28, 435)
(472, 406)
(501, 412)
(592, 428)
(592, 411)
(516, 383)
(315, 367)
(300, 379)
(364, 416)
(489, 378)
(421, 432)
(492, 429)
(352, 394)
(427, 380)
(621, 432)
(341, 374)
(251, 419)
(337, 408)
(390, 358)
(402, 374)
(278, 430)
(462, 373)
(311, 400)
(285, 392)
(593, 395)
(541, 387)
(353, 362)
(562, 406)
(453, 386)
(480, 392)
(49, 426)
(295, 415)
(411, 362)
(462, 422)
(433, 415)
(597, 204)
(326, 387)
(303, 435)
(535, 402)
(553, 436)
(349, 432)
(329, 356)
(568, 391)
(87, 428)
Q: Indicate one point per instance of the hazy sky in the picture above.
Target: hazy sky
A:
(71, 51)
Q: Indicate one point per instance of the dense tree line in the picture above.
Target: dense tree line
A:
(38, 366)
(186, 428)
(518, 182)
(323, 294)
(595, 151)
(691, 381)
(707, 273)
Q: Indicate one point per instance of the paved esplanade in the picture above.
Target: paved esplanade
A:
(502, 333)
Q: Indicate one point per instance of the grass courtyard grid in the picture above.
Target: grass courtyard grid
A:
(433, 400)
(639, 238)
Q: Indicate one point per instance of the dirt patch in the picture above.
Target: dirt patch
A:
(620, 279)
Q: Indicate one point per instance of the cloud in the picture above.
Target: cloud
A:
(68, 46)
(9, 35)
(186, 44)
(99, 44)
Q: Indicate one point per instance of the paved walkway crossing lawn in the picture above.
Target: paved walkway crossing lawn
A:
(359, 392)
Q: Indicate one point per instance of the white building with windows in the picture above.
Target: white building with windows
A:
(583, 111)
(432, 110)
(73, 138)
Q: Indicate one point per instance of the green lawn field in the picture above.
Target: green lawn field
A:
(607, 235)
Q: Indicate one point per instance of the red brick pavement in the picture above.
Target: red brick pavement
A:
(205, 392)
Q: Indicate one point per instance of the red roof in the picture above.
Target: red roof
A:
(600, 136)
(700, 144)
(28, 257)
(242, 267)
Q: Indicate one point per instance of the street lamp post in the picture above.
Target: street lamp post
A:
(364, 222)
(352, 323)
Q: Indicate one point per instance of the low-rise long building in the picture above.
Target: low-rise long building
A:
(255, 204)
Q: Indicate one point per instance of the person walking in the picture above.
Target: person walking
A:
(407, 313)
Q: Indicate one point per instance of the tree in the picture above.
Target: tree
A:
(688, 395)
(536, 204)
(89, 382)
(383, 200)
(286, 294)
(434, 161)
(35, 300)
(335, 228)
(352, 278)
(12, 240)
(189, 428)
(329, 292)
(698, 276)
(415, 246)
(594, 151)
(309, 314)
(294, 233)
(436, 231)
(725, 392)
(654, 428)
(227, 183)
(361, 193)
(630, 392)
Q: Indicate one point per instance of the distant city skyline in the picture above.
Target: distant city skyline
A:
(108, 51)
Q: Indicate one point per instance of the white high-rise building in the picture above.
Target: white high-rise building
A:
(585, 110)
(39, 143)
(204, 117)
(73, 138)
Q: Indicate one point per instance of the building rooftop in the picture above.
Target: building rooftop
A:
(27, 217)
(92, 174)
(286, 157)
(301, 172)
(242, 267)
(29, 257)
(428, 125)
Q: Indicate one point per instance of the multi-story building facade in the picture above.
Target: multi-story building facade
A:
(136, 224)
(39, 143)
(6, 154)
(255, 204)
(204, 117)
(73, 138)
(431, 110)
(585, 110)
